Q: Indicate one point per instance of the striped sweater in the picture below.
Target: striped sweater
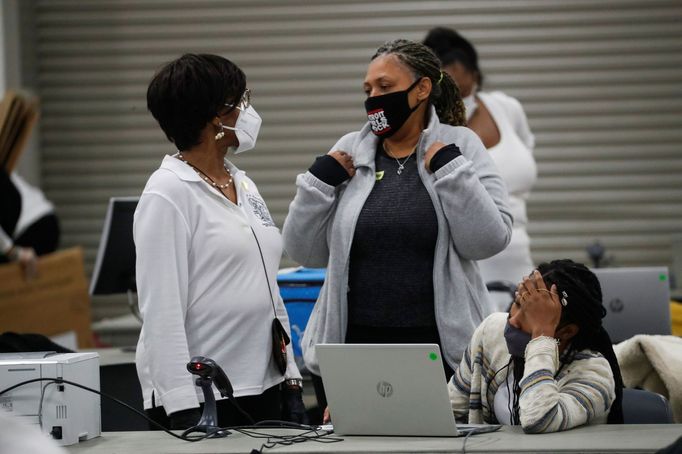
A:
(581, 393)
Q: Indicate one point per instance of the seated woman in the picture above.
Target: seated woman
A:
(549, 364)
(28, 224)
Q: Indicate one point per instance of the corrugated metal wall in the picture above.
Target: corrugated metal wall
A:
(601, 81)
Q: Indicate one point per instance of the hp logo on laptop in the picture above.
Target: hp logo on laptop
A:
(616, 305)
(385, 389)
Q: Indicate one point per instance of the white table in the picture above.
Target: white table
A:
(590, 439)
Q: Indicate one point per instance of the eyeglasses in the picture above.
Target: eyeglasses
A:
(244, 101)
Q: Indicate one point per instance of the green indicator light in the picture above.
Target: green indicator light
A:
(662, 277)
(433, 356)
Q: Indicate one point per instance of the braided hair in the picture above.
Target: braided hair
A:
(585, 309)
(451, 47)
(422, 62)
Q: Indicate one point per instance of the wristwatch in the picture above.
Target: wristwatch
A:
(293, 383)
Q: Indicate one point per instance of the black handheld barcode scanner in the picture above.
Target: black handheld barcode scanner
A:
(208, 373)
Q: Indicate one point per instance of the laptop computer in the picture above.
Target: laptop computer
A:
(388, 389)
(637, 301)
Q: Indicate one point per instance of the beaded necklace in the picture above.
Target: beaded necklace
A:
(205, 177)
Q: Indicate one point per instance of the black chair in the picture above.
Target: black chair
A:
(645, 407)
(507, 287)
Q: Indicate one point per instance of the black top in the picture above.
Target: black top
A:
(391, 259)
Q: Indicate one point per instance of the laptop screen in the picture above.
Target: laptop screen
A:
(637, 301)
(386, 389)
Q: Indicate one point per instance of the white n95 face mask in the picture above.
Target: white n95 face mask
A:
(470, 103)
(246, 129)
(470, 106)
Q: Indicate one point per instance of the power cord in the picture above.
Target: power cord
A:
(464, 442)
(248, 417)
(310, 433)
(476, 431)
(40, 406)
(313, 434)
(118, 401)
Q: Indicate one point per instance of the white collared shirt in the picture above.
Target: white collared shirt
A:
(201, 285)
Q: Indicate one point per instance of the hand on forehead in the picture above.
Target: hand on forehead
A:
(533, 282)
(536, 308)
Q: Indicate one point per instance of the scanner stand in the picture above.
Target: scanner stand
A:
(209, 419)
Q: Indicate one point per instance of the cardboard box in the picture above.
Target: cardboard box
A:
(18, 116)
(57, 301)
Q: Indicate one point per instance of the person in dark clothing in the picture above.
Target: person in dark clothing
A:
(399, 212)
(29, 226)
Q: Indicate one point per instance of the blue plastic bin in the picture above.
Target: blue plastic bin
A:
(303, 284)
(299, 290)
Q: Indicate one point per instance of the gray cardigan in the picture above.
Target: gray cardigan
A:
(474, 223)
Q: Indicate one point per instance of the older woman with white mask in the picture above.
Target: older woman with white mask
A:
(207, 255)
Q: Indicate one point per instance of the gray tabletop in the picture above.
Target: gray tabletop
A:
(590, 439)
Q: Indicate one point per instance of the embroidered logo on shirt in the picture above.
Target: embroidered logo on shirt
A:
(260, 210)
(379, 175)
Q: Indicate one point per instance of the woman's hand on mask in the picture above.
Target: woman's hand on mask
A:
(345, 160)
(541, 307)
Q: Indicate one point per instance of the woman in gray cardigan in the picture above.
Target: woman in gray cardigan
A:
(399, 212)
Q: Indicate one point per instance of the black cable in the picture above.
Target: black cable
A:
(510, 401)
(281, 423)
(233, 401)
(265, 271)
(316, 434)
(307, 429)
(120, 402)
(288, 440)
(506, 380)
(40, 406)
(479, 430)
(209, 434)
(464, 442)
(283, 440)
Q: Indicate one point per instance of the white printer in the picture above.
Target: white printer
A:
(68, 414)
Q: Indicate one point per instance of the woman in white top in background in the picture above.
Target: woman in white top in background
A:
(207, 255)
(500, 122)
(28, 224)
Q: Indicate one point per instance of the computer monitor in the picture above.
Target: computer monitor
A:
(115, 265)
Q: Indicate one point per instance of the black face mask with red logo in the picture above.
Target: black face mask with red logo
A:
(388, 113)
